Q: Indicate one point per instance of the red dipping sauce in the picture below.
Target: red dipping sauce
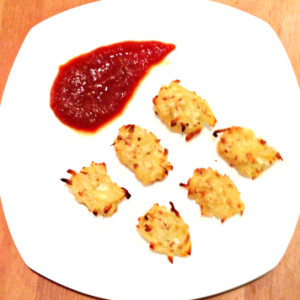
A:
(93, 88)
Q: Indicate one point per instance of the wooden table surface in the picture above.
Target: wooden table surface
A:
(17, 281)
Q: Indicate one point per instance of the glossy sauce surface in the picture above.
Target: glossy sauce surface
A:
(92, 89)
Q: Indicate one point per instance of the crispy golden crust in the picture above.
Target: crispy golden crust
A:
(216, 194)
(240, 148)
(182, 110)
(142, 152)
(93, 187)
(165, 231)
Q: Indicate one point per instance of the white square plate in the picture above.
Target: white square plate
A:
(231, 59)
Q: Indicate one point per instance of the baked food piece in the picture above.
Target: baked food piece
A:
(182, 110)
(93, 187)
(142, 153)
(166, 231)
(240, 148)
(216, 194)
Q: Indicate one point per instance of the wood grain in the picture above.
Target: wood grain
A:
(17, 281)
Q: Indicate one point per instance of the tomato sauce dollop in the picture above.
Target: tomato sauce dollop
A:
(93, 88)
